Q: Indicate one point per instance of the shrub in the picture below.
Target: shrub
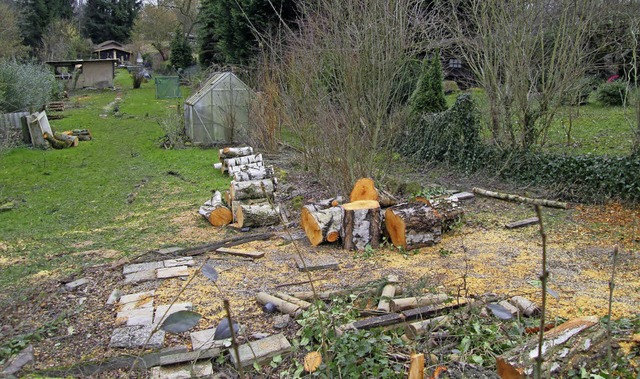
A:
(26, 87)
(428, 96)
(611, 93)
(583, 88)
(450, 87)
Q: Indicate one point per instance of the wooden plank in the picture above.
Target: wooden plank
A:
(317, 263)
(374, 322)
(242, 253)
(522, 223)
(432, 310)
(234, 241)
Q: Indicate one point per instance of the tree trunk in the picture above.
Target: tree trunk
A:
(233, 169)
(249, 173)
(321, 226)
(82, 134)
(565, 347)
(56, 143)
(255, 189)
(234, 152)
(214, 211)
(521, 199)
(365, 189)
(236, 204)
(360, 225)
(324, 204)
(73, 140)
(413, 225)
(257, 215)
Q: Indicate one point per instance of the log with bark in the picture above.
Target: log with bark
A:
(402, 304)
(360, 225)
(247, 173)
(365, 189)
(565, 347)
(239, 161)
(215, 212)
(418, 328)
(82, 134)
(304, 305)
(413, 225)
(263, 214)
(521, 199)
(282, 305)
(233, 169)
(324, 204)
(56, 143)
(236, 204)
(234, 152)
(322, 225)
(255, 189)
(71, 139)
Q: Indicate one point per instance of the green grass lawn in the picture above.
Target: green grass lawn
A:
(79, 196)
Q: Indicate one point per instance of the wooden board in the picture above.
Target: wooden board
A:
(242, 253)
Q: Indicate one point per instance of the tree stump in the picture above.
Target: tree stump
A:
(214, 211)
(257, 215)
(255, 189)
(322, 225)
(360, 225)
(413, 225)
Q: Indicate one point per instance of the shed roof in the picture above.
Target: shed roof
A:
(218, 81)
(110, 45)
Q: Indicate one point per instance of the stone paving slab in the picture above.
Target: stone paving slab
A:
(185, 261)
(136, 316)
(191, 356)
(185, 371)
(136, 336)
(264, 350)
(203, 339)
(136, 300)
(172, 272)
(76, 284)
(140, 276)
(161, 309)
(146, 266)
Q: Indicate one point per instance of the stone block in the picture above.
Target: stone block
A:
(281, 321)
(136, 316)
(172, 272)
(203, 339)
(76, 284)
(317, 263)
(162, 309)
(264, 350)
(137, 336)
(184, 371)
(137, 267)
(136, 300)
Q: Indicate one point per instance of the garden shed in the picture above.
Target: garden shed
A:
(219, 111)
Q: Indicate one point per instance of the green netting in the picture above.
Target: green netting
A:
(167, 87)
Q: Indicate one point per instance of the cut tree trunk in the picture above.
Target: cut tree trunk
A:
(256, 173)
(322, 225)
(565, 347)
(294, 300)
(234, 152)
(324, 204)
(255, 189)
(360, 225)
(413, 225)
(418, 328)
(214, 211)
(82, 134)
(365, 189)
(521, 199)
(73, 140)
(236, 204)
(56, 143)
(233, 169)
(416, 369)
(257, 215)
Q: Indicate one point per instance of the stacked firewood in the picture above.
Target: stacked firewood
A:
(68, 138)
(373, 213)
(249, 202)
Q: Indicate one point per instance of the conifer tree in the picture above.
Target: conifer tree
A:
(180, 50)
(110, 19)
(36, 15)
(428, 96)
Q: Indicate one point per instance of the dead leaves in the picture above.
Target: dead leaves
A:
(312, 361)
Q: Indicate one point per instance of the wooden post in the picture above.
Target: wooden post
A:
(416, 370)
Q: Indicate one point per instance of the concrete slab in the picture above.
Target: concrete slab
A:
(136, 300)
(137, 267)
(137, 336)
(264, 350)
(140, 276)
(184, 371)
(185, 261)
(203, 339)
(172, 272)
(164, 311)
(136, 316)
(191, 356)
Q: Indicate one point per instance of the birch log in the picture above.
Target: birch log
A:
(257, 215)
(236, 204)
(233, 169)
(413, 225)
(214, 211)
(521, 199)
(247, 173)
(232, 162)
(360, 225)
(282, 305)
(321, 226)
(324, 204)
(255, 189)
(234, 152)
(402, 304)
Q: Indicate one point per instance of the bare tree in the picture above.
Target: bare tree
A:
(155, 24)
(527, 55)
(186, 12)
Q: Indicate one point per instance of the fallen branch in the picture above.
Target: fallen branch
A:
(521, 199)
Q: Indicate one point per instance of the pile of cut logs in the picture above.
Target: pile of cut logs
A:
(373, 213)
(68, 138)
(249, 202)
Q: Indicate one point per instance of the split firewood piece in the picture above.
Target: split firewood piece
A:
(247, 173)
(282, 305)
(388, 292)
(360, 225)
(365, 189)
(521, 199)
(256, 215)
(214, 211)
(322, 225)
(526, 306)
(416, 370)
(418, 328)
(413, 225)
(239, 161)
(294, 300)
(398, 305)
(565, 347)
(233, 169)
(56, 143)
(234, 152)
(255, 189)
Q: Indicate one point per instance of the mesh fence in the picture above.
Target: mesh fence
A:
(167, 87)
